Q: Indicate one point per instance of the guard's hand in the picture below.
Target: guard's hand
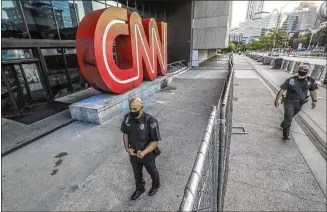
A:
(140, 154)
(130, 151)
(276, 103)
(314, 104)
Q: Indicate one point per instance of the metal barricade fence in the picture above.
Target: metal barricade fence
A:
(206, 187)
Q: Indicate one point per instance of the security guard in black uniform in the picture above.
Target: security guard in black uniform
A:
(141, 139)
(296, 96)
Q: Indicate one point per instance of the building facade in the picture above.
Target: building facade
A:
(211, 26)
(38, 58)
(253, 8)
(251, 29)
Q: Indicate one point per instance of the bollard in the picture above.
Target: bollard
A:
(277, 63)
(285, 64)
(296, 67)
(266, 60)
(291, 66)
(317, 71)
(323, 76)
(272, 61)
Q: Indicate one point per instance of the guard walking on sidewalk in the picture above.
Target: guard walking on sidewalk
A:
(141, 138)
(297, 88)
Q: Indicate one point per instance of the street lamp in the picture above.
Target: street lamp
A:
(312, 32)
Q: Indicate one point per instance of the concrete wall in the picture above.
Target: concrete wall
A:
(211, 24)
(200, 55)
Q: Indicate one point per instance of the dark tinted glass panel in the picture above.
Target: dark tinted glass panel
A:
(68, 18)
(40, 19)
(78, 81)
(56, 72)
(12, 24)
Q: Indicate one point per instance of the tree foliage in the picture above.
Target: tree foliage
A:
(274, 38)
(320, 38)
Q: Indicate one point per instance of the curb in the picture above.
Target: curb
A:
(24, 143)
(314, 133)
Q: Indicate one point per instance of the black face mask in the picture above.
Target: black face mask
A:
(302, 73)
(135, 114)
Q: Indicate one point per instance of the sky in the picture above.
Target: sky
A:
(239, 8)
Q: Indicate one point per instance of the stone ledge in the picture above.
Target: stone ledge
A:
(100, 108)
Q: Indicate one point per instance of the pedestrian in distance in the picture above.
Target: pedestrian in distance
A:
(141, 138)
(297, 88)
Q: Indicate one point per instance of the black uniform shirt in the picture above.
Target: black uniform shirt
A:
(297, 89)
(140, 131)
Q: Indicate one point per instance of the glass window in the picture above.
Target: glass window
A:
(79, 9)
(9, 54)
(40, 19)
(12, 23)
(56, 72)
(112, 3)
(97, 5)
(77, 79)
(67, 18)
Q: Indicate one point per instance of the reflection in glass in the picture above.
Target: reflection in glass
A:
(25, 85)
(80, 10)
(77, 79)
(70, 18)
(40, 19)
(97, 5)
(56, 72)
(9, 54)
(12, 24)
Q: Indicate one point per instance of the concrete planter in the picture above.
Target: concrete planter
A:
(277, 63)
(296, 66)
(291, 66)
(272, 62)
(266, 61)
(317, 71)
(260, 59)
(285, 64)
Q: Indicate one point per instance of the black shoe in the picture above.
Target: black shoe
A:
(153, 191)
(286, 138)
(137, 193)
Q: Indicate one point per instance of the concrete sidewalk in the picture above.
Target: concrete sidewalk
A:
(96, 173)
(317, 117)
(265, 172)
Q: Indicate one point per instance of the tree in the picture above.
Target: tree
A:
(272, 39)
(231, 46)
(304, 39)
(320, 38)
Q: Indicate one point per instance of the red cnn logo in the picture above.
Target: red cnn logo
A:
(141, 47)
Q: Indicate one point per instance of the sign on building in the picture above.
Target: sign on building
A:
(141, 48)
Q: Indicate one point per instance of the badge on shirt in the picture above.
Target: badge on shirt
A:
(292, 81)
(142, 126)
(309, 83)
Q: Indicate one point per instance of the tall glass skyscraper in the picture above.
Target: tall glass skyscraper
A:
(253, 8)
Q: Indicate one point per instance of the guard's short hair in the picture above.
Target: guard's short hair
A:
(304, 67)
(136, 99)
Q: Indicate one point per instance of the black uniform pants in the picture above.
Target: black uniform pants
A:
(149, 162)
(291, 108)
